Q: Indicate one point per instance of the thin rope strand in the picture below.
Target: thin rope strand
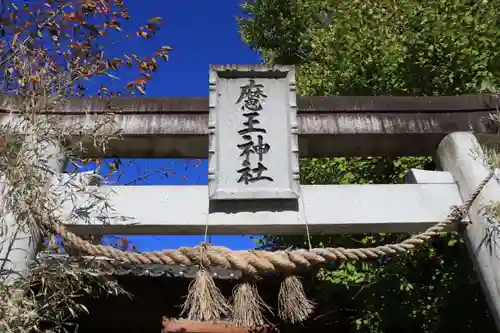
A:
(304, 215)
(206, 229)
(204, 244)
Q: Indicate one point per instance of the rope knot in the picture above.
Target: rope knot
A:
(204, 260)
(456, 214)
(205, 245)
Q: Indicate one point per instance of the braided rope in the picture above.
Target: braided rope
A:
(257, 261)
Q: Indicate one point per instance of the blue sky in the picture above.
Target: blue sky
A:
(201, 33)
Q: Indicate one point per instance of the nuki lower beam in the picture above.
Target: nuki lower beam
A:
(327, 209)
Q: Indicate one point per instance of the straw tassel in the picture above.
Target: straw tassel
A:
(293, 304)
(248, 306)
(205, 301)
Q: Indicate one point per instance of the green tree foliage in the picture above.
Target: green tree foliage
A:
(357, 47)
(406, 47)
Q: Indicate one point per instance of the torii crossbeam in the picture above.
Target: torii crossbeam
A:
(244, 138)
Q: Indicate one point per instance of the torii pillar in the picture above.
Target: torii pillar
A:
(461, 154)
(18, 245)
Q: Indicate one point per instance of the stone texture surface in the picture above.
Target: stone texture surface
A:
(461, 155)
(327, 126)
(330, 209)
(253, 151)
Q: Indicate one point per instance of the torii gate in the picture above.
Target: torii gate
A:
(253, 129)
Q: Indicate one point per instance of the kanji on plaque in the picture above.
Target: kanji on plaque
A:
(251, 97)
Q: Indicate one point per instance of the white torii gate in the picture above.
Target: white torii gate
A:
(253, 136)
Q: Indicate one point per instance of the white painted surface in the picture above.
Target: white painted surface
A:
(18, 242)
(458, 153)
(329, 209)
(417, 176)
(253, 147)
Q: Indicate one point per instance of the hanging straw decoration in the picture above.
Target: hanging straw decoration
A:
(205, 301)
(248, 306)
(293, 305)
